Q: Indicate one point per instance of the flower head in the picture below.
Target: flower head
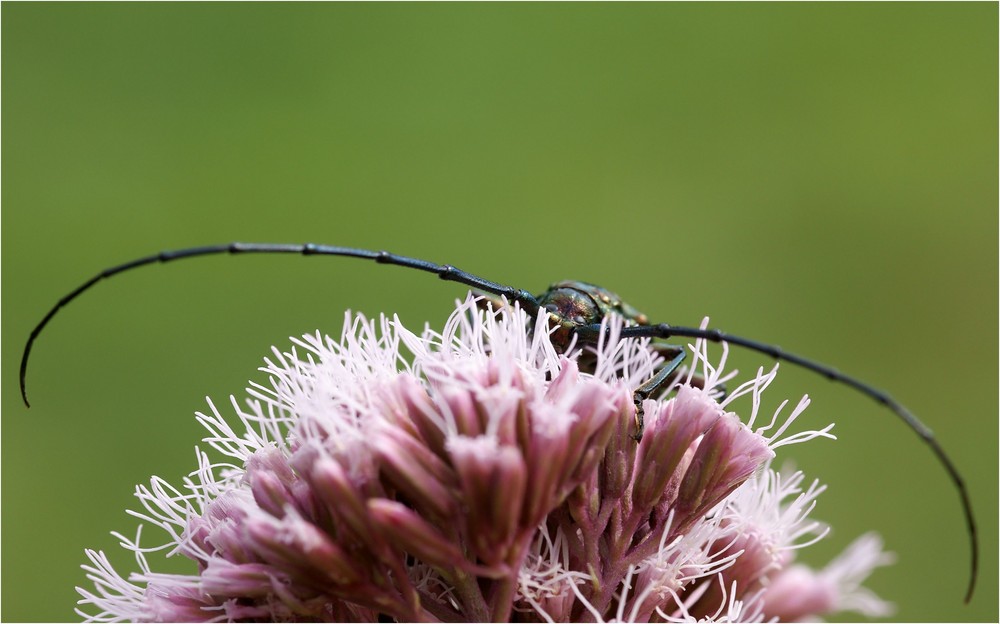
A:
(478, 474)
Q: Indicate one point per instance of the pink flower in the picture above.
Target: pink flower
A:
(478, 474)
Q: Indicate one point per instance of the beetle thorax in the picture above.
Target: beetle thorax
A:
(578, 304)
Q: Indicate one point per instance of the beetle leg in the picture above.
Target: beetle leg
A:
(667, 372)
(669, 352)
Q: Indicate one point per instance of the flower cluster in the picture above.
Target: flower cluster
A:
(478, 474)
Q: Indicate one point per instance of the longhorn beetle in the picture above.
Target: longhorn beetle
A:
(576, 310)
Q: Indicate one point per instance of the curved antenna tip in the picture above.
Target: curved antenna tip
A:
(24, 394)
(24, 372)
(972, 580)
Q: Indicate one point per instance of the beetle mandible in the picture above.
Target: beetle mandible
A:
(576, 310)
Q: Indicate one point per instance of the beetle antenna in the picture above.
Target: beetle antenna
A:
(714, 335)
(444, 271)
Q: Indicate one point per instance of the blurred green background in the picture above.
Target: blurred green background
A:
(820, 176)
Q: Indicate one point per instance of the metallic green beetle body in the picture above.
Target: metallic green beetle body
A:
(575, 304)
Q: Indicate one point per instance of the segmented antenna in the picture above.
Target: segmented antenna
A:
(665, 331)
(444, 271)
